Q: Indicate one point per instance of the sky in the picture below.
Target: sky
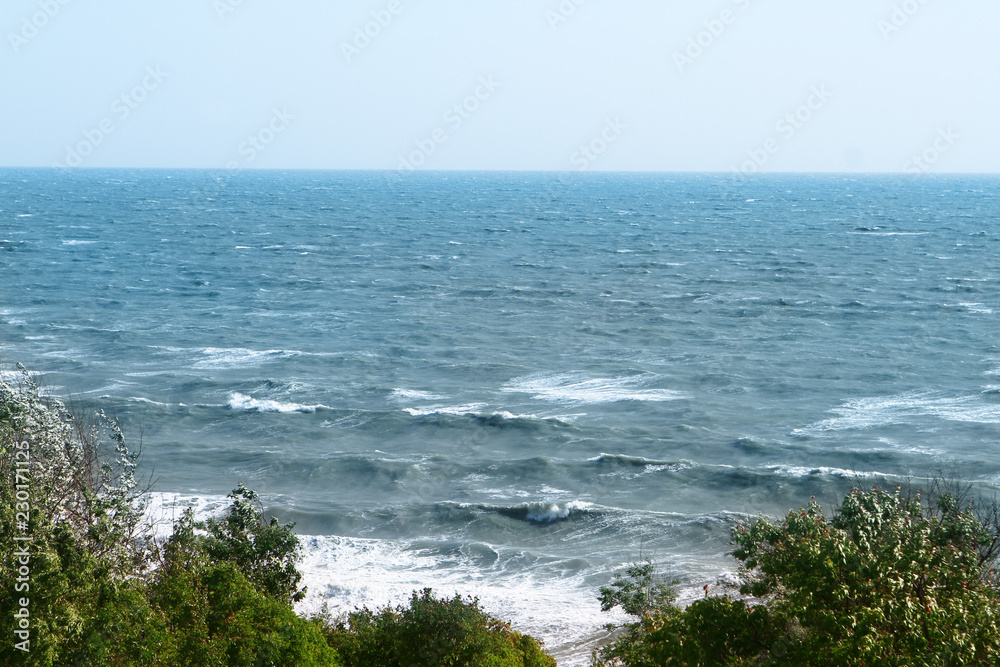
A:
(631, 85)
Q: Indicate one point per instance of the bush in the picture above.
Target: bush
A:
(890, 579)
(433, 632)
(100, 591)
(265, 552)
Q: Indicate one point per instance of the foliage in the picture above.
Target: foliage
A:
(433, 632)
(265, 552)
(75, 481)
(639, 592)
(889, 579)
(100, 591)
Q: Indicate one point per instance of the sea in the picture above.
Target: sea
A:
(512, 385)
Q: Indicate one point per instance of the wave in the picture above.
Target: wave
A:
(977, 308)
(456, 410)
(148, 401)
(863, 413)
(237, 356)
(163, 509)
(870, 232)
(404, 394)
(806, 472)
(496, 419)
(539, 512)
(345, 573)
(633, 466)
(574, 387)
(238, 401)
(549, 512)
(626, 460)
(232, 357)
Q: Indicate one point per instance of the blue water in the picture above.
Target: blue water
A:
(512, 384)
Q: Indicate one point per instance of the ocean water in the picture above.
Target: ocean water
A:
(511, 385)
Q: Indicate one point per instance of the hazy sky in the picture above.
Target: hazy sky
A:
(675, 85)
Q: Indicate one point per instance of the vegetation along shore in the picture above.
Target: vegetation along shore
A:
(893, 576)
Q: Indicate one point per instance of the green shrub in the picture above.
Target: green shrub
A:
(889, 579)
(103, 593)
(100, 592)
(265, 552)
(433, 632)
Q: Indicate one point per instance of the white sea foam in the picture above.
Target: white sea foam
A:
(891, 233)
(238, 401)
(164, 509)
(549, 512)
(77, 242)
(231, 357)
(415, 394)
(802, 471)
(479, 410)
(147, 401)
(577, 388)
(876, 411)
(468, 409)
(976, 308)
(346, 573)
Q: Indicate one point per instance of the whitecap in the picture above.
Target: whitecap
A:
(163, 509)
(468, 409)
(346, 573)
(223, 357)
(976, 308)
(577, 388)
(869, 412)
(238, 401)
(802, 471)
(147, 401)
(549, 512)
(415, 394)
(893, 234)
